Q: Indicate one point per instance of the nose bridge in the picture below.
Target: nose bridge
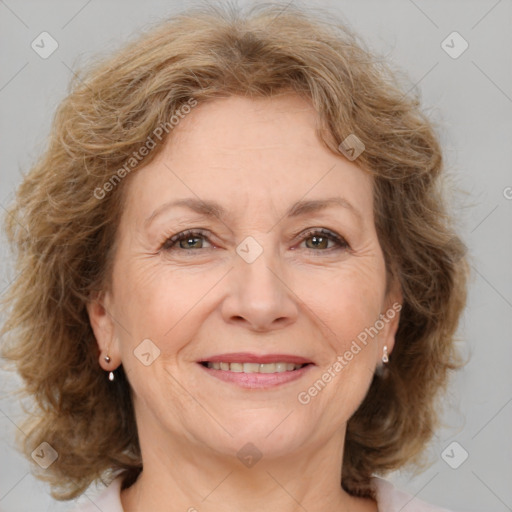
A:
(259, 271)
(260, 295)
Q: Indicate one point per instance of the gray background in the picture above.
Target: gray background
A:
(470, 98)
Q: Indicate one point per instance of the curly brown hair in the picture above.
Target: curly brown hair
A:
(64, 234)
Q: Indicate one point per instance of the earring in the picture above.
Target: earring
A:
(111, 374)
(385, 357)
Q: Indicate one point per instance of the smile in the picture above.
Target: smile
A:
(256, 371)
(278, 367)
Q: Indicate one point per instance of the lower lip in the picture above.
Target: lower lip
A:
(257, 380)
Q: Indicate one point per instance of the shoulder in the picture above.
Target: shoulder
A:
(391, 499)
(109, 500)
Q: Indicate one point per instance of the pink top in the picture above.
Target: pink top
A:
(389, 499)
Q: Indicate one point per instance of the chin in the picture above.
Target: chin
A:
(275, 433)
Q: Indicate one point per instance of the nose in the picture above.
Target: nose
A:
(260, 297)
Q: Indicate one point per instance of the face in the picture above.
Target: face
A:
(249, 263)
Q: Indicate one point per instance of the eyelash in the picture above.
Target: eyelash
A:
(169, 243)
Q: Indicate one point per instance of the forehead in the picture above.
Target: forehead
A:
(252, 154)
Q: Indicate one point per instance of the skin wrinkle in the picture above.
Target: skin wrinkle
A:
(248, 310)
(63, 227)
(211, 209)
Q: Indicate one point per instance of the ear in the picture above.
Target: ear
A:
(103, 327)
(391, 316)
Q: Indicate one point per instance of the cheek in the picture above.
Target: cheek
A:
(163, 304)
(348, 300)
(347, 311)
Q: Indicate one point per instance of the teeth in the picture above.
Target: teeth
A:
(251, 367)
(255, 367)
(281, 367)
(267, 368)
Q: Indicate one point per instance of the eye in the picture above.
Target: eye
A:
(320, 239)
(185, 240)
(194, 239)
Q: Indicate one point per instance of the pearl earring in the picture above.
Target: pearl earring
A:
(111, 374)
(385, 357)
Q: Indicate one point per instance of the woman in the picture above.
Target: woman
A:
(237, 283)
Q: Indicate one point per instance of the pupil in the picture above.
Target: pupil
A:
(189, 242)
(317, 240)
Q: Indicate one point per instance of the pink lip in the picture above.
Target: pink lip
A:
(247, 357)
(257, 380)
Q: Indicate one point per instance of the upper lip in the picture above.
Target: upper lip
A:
(247, 357)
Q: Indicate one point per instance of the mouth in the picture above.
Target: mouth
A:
(256, 371)
(246, 367)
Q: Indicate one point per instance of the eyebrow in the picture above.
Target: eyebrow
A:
(214, 209)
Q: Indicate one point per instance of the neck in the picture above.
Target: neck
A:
(193, 478)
